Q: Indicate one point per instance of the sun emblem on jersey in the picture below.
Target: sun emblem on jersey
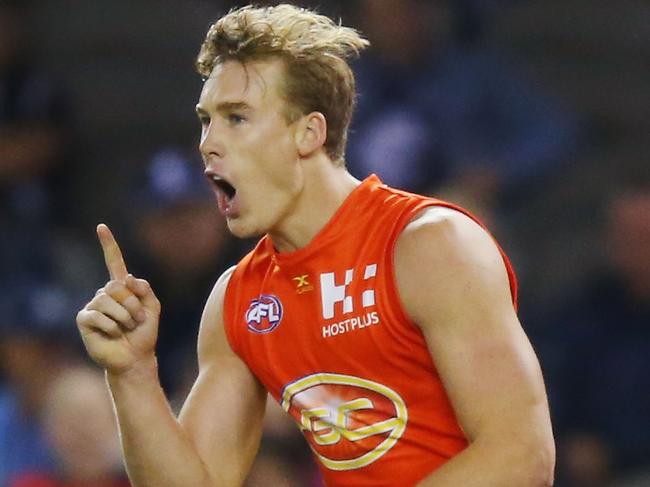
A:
(264, 314)
(349, 422)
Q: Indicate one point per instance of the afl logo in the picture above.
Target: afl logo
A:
(264, 314)
(349, 422)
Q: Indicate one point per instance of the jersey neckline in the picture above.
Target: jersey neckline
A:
(344, 213)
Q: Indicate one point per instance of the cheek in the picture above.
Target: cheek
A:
(275, 146)
(283, 164)
(270, 169)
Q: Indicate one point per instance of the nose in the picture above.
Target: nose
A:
(210, 145)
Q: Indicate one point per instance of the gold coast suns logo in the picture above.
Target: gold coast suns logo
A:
(349, 422)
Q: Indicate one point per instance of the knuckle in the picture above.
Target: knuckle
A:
(114, 286)
(86, 318)
(81, 314)
(131, 302)
(97, 301)
(94, 315)
(124, 316)
(112, 327)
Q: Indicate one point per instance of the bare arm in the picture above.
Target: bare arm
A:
(215, 440)
(224, 412)
(453, 284)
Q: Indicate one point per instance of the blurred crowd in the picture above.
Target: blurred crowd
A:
(445, 108)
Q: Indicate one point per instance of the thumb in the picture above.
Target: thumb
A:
(142, 289)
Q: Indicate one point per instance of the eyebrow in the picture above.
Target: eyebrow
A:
(225, 106)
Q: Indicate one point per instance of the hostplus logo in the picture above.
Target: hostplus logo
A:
(335, 296)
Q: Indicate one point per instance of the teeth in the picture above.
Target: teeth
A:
(224, 185)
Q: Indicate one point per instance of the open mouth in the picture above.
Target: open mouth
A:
(223, 185)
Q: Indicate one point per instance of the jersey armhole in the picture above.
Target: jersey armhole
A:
(229, 310)
(404, 220)
(391, 278)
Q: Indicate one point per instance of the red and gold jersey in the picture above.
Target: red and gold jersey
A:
(323, 329)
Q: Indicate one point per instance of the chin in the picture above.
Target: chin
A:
(239, 229)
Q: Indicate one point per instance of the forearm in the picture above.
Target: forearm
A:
(156, 448)
(486, 464)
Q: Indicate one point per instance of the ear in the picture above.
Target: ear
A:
(311, 134)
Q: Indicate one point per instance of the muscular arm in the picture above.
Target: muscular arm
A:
(454, 285)
(224, 412)
(217, 434)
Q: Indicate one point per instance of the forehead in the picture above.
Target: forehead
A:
(257, 83)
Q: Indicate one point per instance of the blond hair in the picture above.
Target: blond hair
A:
(315, 52)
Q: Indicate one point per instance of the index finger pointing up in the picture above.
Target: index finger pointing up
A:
(112, 253)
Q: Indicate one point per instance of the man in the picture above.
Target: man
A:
(383, 322)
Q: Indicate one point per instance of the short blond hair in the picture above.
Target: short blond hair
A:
(314, 49)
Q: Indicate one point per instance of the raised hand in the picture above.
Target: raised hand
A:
(119, 326)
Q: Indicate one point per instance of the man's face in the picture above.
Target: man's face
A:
(248, 148)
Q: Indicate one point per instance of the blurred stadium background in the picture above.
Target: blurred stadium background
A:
(532, 113)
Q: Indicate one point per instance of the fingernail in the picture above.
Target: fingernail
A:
(140, 315)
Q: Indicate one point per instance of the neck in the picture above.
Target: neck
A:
(325, 188)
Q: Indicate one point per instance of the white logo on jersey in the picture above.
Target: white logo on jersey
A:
(331, 293)
(264, 314)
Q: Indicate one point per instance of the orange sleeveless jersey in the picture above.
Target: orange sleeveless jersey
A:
(323, 329)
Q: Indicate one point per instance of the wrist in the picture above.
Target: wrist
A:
(143, 370)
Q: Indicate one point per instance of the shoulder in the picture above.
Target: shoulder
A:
(212, 336)
(439, 233)
(218, 293)
(444, 258)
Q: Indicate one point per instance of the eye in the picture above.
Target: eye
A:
(235, 119)
(205, 121)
